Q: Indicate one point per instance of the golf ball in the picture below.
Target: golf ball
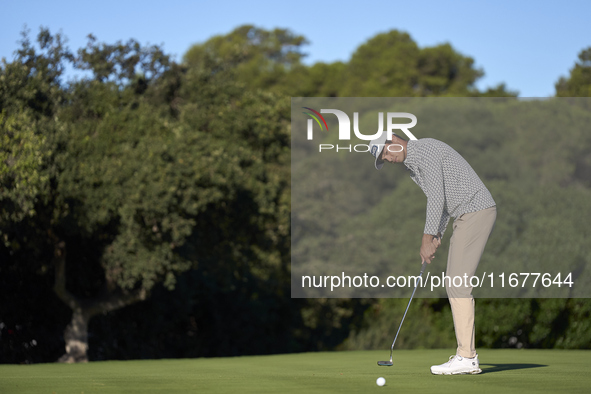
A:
(381, 381)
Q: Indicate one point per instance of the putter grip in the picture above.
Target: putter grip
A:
(423, 268)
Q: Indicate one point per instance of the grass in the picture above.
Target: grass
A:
(504, 371)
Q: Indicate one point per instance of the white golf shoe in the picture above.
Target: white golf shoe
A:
(457, 365)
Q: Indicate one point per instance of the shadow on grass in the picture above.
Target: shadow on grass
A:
(507, 367)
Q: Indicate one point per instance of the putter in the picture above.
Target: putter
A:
(389, 363)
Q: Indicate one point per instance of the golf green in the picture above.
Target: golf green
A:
(504, 371)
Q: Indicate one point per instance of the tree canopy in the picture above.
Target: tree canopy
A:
(390, 64)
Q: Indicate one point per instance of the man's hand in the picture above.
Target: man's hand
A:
(437, 240)
(429, 246)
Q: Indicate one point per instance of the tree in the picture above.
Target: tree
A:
(31, 92)
(253, 56)
(392, 65)
(445, 72)
(36, 160)
(578, 83)
(126, 176)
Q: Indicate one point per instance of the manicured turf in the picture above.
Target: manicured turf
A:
(504, 371)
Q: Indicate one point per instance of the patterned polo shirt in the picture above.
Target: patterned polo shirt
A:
(449, 182)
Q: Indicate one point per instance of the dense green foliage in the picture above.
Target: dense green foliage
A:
(173, 181)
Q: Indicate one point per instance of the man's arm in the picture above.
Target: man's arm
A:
(432, 175)
(443, 224)
(433, 183)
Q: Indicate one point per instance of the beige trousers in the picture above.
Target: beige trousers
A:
(470, 234)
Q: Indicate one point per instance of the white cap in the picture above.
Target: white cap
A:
(376, 147)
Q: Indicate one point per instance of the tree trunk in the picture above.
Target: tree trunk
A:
(76, 333)
(76, 338)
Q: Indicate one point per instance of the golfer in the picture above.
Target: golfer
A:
(453, 190)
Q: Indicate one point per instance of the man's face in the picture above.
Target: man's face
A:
(393, 153)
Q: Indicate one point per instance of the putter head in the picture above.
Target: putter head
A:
(385, 363)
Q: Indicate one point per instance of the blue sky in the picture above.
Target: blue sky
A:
(526, 44)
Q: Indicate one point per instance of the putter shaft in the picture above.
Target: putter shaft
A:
(390, 363)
